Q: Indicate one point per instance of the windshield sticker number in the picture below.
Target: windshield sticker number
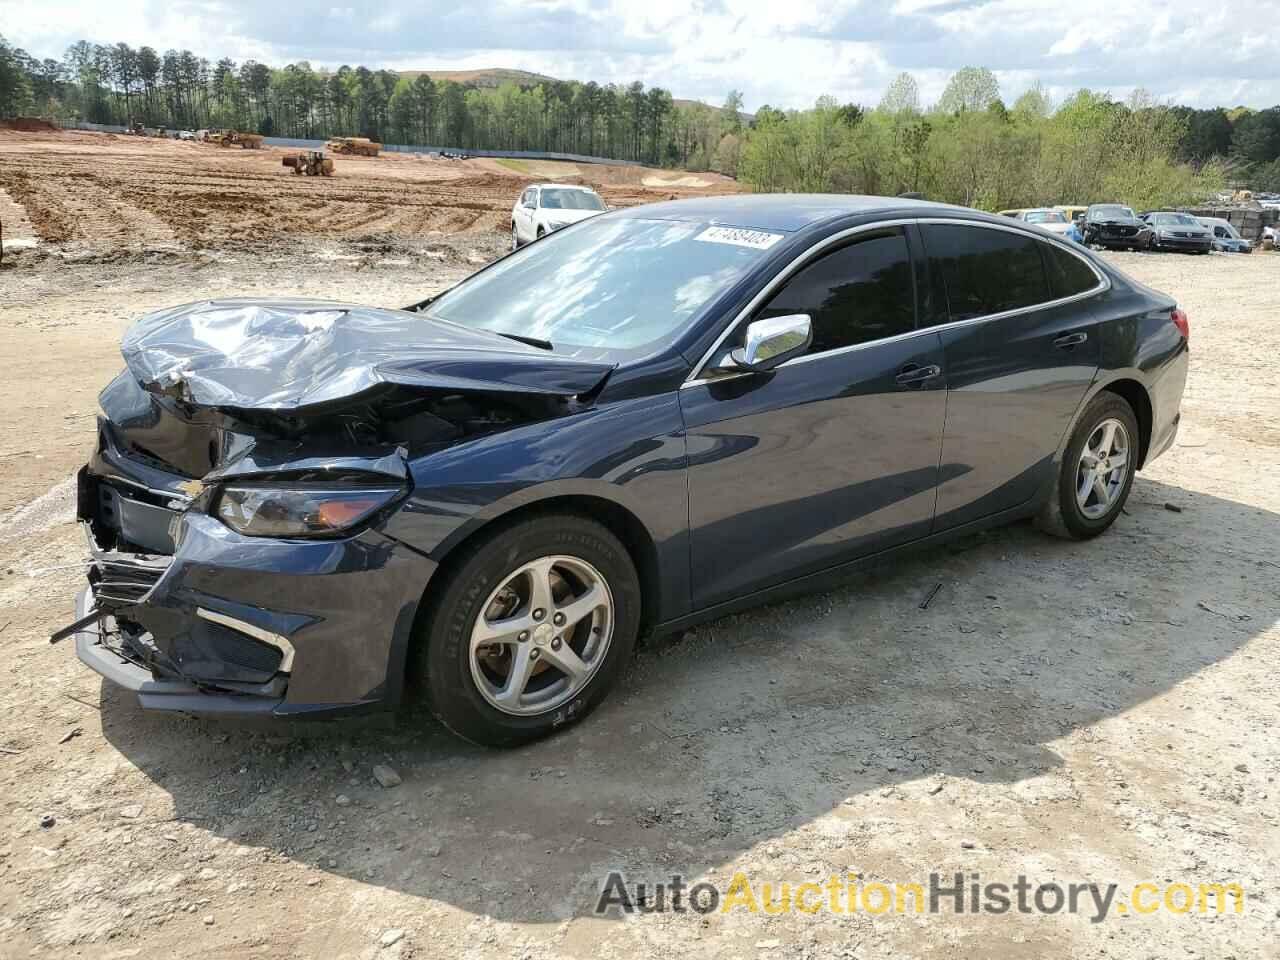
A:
(755, 239)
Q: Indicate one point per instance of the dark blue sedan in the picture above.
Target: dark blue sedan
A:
(651, 418)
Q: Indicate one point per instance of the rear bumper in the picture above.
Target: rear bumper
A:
(1166, 403)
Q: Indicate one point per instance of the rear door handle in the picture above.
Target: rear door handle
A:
(913, 375)
(1069, 340)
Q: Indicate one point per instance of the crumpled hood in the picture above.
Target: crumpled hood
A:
(284, 355)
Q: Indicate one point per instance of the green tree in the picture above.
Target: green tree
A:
(902, 96)
(970, 89)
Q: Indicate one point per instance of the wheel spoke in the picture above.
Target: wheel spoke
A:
(1100, 488)
(1108, 438)
(1118, 461)
(568, 662)
(489, 632)
(517, 676)
(540, 597)
(1087, 479)
(581, 607)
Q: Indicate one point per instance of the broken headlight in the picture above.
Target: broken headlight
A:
(299, 509)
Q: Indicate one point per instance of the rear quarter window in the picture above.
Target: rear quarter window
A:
(1068, 274)
(985, 270)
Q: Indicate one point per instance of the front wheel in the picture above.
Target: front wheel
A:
(515, 238)
(1096, 472)
(532, 628)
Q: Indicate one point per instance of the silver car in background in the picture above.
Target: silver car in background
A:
(1225, 236)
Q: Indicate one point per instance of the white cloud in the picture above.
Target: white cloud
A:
(783, 53)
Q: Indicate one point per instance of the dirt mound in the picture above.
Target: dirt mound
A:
(29, 125)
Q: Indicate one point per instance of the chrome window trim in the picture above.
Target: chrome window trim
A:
(697, 378)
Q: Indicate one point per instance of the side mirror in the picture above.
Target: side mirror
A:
(772, 342)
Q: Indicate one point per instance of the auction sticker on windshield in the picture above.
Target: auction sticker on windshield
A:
(756, 239)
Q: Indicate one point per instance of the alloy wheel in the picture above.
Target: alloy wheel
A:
(1103, 467)
(515, 238)
(541, 635)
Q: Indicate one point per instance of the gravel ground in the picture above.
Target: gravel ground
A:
(1100, 712)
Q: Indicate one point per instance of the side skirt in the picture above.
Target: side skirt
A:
(834, 576)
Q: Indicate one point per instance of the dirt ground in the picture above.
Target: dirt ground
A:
(139, 192)
(1101, 712)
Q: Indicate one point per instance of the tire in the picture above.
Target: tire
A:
(541, 233)
(1063, 515)
(515, 238)
(461, 686)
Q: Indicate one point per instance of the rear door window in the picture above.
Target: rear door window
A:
(1068, 274)
(863, 291)
(985, 270)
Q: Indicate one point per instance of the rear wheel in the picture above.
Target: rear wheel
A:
(531, 630)
(1096, 472)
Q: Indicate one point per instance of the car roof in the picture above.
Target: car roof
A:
(563, 186)
(789, 212)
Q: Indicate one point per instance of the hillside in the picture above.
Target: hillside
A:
(497, 76)
(489, 77)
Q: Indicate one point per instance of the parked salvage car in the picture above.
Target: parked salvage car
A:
(545, 207)
(1225, 236)
(1178, 231)
(1049, 219)
(1115, 226)
(652, 418)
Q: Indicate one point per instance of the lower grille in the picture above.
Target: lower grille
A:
(123, 582)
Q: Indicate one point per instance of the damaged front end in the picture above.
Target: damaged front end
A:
(239, 500)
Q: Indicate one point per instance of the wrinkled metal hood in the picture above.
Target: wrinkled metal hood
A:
(287, 355)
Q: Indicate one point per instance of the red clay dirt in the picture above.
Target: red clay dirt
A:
(122, 190)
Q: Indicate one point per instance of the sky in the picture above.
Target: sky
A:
(784, 53)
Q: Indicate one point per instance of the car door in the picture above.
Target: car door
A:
(525, 214)
(1020, 342)
(833, 454)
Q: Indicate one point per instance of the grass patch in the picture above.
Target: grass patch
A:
(519, 166)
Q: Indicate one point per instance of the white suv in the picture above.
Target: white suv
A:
(545, 207)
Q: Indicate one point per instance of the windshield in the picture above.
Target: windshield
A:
(1223, 225)
(1111, 211)
(554, 198)
(1044, 216)
(1180, 219)
(606, 288)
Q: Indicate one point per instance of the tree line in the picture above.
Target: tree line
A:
(120, 84)
(972, 149)
(968, 148)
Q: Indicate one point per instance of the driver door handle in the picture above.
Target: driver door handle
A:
(1069, 340)
(914, 375)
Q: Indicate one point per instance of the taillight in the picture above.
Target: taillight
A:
(1182, 323)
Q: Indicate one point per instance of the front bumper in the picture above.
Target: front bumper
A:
(1190, 244)
(239, 626)
(95, 651)
(1116, 240)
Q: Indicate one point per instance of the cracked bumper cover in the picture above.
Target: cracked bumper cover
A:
(332, 618)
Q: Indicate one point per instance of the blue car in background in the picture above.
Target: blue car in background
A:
(650, 418)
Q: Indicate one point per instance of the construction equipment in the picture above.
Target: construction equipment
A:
(312, 163)
(233, 138)
(354, 146)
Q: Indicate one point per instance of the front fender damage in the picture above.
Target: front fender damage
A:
(179, 605)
